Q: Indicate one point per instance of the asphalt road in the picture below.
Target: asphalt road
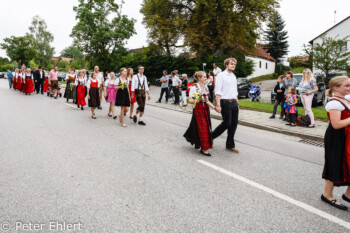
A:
(58, 164)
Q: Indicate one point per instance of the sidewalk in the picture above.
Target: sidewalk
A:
(251, 118)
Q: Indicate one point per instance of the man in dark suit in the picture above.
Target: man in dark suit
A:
(39, 78)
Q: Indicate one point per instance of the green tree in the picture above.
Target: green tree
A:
(329, 55)
(164, 24)
(32, 64)
(43, 38)
(208, 26)
(102, 31)
(78, 64)
(62, 65)
(276, 37)
(20, 49)
(72, 52)
(4, 61)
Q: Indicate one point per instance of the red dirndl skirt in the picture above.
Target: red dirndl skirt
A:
(19, 83)
(28, 86)
(132, 100)
(203, 125)
(81, 90)
(14, 83)
(46, 85)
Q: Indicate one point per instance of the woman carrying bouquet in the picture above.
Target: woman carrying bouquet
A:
(198, 133)
(71, 90)
(123, 94)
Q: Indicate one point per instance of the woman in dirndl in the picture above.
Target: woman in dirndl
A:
(71, 89)
(198, 133)
(46, 83)
(93, 94)
(15, 79)
(130, 76)
(80, 83)
(110, 94)
(28, 78)
(336, 170)
(123, 95)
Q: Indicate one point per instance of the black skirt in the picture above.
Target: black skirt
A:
(94, 100)
(335, 161)
(122, 98)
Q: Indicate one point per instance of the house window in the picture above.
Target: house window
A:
(266, 65)
(259, 64)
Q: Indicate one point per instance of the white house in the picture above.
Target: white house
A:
(340, 30)
(263, 62)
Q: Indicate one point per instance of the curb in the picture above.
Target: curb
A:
(257, 126)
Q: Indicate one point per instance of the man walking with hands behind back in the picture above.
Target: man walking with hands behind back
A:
(227, 103)
(39, 78)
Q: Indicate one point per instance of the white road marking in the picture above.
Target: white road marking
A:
(75, 106)
(279, 195)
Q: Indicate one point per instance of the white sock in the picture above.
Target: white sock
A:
(140, 118)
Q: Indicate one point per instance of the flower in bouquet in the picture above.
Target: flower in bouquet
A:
(123, 84)
(196, 96)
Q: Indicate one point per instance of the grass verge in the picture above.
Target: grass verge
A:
(262, 78)
(319, 113)
(62, 82)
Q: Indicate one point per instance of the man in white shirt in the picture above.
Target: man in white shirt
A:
(175, 84)
(227, 103)
(216, 69)
(139, 86)
(99, 77)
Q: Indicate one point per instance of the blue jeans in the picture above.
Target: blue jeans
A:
(10, 82)
(166, 91)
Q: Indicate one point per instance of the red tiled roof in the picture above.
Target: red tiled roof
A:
(262, 53)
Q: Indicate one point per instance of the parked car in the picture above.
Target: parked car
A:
(243, 85)
(2, 74)
(319, 96)
(61, 76)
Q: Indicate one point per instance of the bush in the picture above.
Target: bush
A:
(298, 69)
(281, 69)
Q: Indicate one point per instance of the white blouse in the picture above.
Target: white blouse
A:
(81, 80)
(334, 105)
(196, 88)
(120, 81)
(109, 81)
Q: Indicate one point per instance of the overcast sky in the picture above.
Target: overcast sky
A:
(305, 19)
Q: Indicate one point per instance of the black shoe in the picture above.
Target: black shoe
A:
(115, 117)
(345, 198)
(333, 203)
(135, 118)
(100, 107)
(82, 108)
(109, 115)
(67, 99)
(78, 106)
(55, 97)
(271, 117)
(206, 154)
(281, 117)
(141, 123)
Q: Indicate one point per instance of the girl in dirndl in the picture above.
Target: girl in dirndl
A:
(198, 132)
(80, 83)
(28, 86)
(93, 94)
(123, 95)
(15, 79)
(71, 89)
(23, 76)
(111, 94)
(336, 170)
(130, 76)
(19, 80)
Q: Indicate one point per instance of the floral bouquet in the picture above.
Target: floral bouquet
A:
(123, 85)
(196, 96)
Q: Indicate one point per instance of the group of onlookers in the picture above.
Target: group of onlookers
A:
(285, 90)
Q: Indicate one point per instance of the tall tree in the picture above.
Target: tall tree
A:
(21, 49)
(329, 55)
(276, 37)
(43, 38)
(164, 24)
(102, 31)
(72, 52)
(209, 26)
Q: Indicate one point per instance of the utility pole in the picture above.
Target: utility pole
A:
(335, 13)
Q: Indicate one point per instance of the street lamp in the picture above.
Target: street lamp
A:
(204, 64)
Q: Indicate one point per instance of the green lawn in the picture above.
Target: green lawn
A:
(262, 78)
(319, 113)
(62, 82)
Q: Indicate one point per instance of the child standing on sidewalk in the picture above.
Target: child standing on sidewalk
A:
(279, 90)
(291, 101)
